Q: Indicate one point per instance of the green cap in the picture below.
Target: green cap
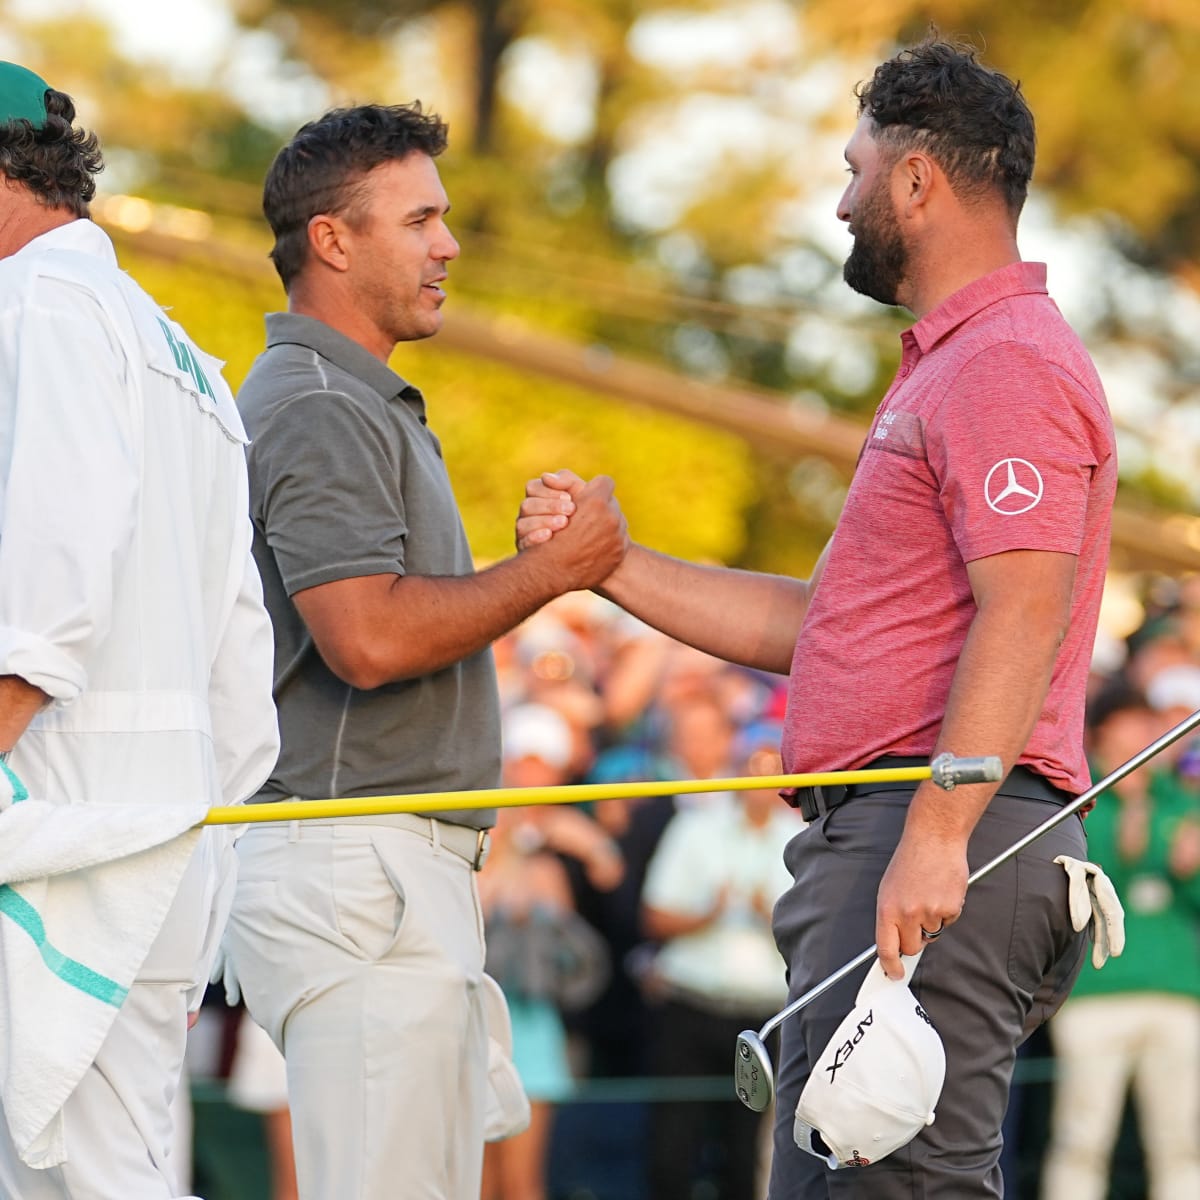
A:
(22, 94)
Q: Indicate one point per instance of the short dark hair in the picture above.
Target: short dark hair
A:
(937, 97)
(55, 161)
(322, 168)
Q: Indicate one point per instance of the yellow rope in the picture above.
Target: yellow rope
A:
(425, 802)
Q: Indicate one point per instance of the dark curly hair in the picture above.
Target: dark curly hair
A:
(937, 97)
(322, 169)
(55, 161)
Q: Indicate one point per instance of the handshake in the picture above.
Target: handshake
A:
(576, 525)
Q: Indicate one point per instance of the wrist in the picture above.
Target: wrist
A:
(934, 817)
(610, 587)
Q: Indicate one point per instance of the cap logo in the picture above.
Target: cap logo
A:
(842, 1054)
(1013, 486)
(857, 1161)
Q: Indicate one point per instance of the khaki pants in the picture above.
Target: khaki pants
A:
(1102, 1044)
(359, 948)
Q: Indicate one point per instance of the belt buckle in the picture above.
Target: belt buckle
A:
(483, 844)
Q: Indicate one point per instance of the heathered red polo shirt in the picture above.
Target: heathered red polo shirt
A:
(994, 436)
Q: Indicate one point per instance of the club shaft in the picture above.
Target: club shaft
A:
(815, 991)
(1126, 768)
(1139, 759)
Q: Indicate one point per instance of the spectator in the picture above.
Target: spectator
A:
(709, 893)
(1138, 1020)
(540, 951)
(613, 1032)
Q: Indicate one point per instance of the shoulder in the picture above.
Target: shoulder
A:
(1027, 336)
(61, 305)
(56, 281)
(305, 427)
(290, 381)
(1018, 374)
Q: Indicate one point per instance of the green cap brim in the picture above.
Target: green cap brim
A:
(22, 95)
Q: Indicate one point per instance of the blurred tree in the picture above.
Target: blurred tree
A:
(1111, 83)
(499, 426)
(357, 32)
(729, 118)
(155, 129)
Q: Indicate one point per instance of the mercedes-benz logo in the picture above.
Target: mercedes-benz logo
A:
(1013, 486)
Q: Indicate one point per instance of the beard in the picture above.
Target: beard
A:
(879, 258)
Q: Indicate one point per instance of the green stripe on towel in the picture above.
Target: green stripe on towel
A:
(99, 987)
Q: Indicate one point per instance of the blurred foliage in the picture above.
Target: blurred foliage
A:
(149, 121)
(348, 42)
(684, 488)
(1111, 83)
(727, 288)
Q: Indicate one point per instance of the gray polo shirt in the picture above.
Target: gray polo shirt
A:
(347, 480)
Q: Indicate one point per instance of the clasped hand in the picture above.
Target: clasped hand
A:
(548, 506)
(582, 518)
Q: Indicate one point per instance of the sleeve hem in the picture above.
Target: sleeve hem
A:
(41, 664)
(333, 572)
(982, 548)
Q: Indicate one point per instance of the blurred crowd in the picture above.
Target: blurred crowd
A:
(679, 888)
(632, 935)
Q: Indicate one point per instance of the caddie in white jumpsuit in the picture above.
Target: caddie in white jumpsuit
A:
(135, 664)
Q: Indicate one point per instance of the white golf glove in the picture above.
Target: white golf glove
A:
(1093, 898)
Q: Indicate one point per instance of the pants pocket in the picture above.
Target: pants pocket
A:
(868, 825)
(368, 900)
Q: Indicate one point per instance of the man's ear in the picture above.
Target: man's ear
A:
(917, 175)
(328, 241)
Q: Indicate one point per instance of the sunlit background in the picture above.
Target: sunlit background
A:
(650, 282)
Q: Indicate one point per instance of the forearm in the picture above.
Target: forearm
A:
(19, 703)
(999, 689)
(742, 616)
(662, 925)
(423, 624)
(633, 678)
(1001, 679)
(378, 629)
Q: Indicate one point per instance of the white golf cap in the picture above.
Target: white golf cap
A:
(537, 731)
(877, 1082)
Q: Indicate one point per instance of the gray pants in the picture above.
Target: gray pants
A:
(1001, 970)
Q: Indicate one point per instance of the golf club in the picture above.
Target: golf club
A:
(753, 1075)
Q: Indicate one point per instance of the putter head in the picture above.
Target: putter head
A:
(753, 1077)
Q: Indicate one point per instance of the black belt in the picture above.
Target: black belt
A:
(815, 802)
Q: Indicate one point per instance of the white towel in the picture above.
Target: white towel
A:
(84, 890)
